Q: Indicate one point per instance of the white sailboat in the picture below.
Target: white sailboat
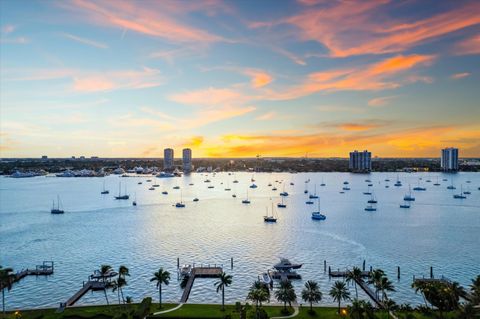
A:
(57, 209)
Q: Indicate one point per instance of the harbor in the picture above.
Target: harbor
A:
(97, 229)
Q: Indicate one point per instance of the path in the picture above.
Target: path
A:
(168, 310)
(294, 314)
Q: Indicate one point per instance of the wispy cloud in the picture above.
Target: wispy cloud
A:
(468, 46)
(8, 28)
(349, 28)
(266, 116)
(458, 76)
(259, 78)
(85, 41)
(381, 101)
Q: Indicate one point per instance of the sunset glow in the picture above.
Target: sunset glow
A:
(239, 78)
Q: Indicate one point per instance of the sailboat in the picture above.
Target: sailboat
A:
(370, 208)
(460, 195)
(451, 186)
(306, 188)
(246, 200)
(180, 204)
(367, 192)
(105, 191)
(134, 203)
(419, 188)
(282, 204)
(398, 183)
(56, 210)
(284, 193)
(270, 218)
(437, 183)
(408, 197)
(314, 195)
(372, 200)
(120, 196)
(317, 215)
(405, 204)
(323, 183)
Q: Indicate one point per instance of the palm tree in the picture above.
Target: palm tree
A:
(123, 272)
(389, 305)
(420, 286)
(225, 281)
(375, 278)
(457, 292)
(6, 281)
(104, 270)
(339, 292)
(161, 277)
(356, 310)
(117, 286)
(128, 299)
(385, 285)
(354, 275)
(311, 293)
(475, 289)
(286, 293)
(259, 293)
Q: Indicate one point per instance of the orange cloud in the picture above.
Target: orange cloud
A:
(208, 97)
(380, 101)
(259, 78)
(148, 18)
(357, 126)
(468, 46)
(353, 28)
(377, 76)
(462, 75)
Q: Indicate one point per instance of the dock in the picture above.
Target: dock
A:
(285, 275)
(87, 286)
(202, 271)
(365, 287)
(45, 269)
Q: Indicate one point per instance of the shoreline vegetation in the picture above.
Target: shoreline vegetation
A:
(109, 165)
(442, 299)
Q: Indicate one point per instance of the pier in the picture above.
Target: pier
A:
(202, 271)
(87, 286)
(365, 287)
(45, 269)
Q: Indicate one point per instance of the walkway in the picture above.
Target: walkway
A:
(294, 314)
(168, 310)
(199, 272)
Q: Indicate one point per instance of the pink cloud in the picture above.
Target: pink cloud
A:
(259, 78)
(353, 28)
(85, 41)
(468, 46)
(458, 76)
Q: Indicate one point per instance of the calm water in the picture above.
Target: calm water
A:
(437, 230)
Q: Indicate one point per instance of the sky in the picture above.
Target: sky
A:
(239, 78)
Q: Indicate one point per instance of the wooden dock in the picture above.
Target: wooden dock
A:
(87, 286)
(45, 269)
(205, 272)
(365, 287)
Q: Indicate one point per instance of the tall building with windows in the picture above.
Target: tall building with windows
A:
(449, 160)
(187, 160)
(360, 161)
(168, 159)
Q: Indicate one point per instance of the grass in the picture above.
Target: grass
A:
(206, 311)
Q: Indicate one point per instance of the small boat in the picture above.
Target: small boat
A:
(291, 183)
(253, 186)
(274, 189)
(368, 181)
(57, 210)
(195, 199)
(461, 194)
(105, 191)
(246, 200)
(468, 182)
(323, 183)
(405, 205)
(282, 204)
(269, 184)
(370, 185)
(234, 196)
(372, 200)
(346, 188)
(428, 181)
(451, 186)
(265, 278)
(368, 192)
(270, 218)
(155, 185)
(149, 180)
(345, 183)
(228, 189)
(314, 195)
(211, 186)
(165, 175)
(398, 183)
(180, 204)
(386, 186)
(436, 183)
(370, 208)
(387, 180)
(185, 270)
(176, 187)
(285, 265)
(283, 194)
(134, 203)
(342, 192)
(309, 202)
(408, 197)
(235, 181)
(152, 188)
(191, 184)
(445, 180)
(165, 193)
(120, 196)
(206, 181)
(317, 215)
(139, 183)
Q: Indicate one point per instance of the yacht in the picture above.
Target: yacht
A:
(419, 188)
(408, 197)
(270, 218)
(436, 183)
(56, 210)
(317, 215)
(282, 204)
(195, 199)
(253, 186)
(120, 196)
(105, 191)
(165, 193)
(286, 265)
(180, 204)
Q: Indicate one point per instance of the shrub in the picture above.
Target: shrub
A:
(143, 309)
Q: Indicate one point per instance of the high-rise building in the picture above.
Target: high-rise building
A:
(360, 161)
(168, 159)
(187, 160)
(449, 160)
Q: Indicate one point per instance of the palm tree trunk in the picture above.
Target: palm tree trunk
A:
(223, 298)
(118, 295)
(356, 291)
(105, 292)
(285, 305)
(338, 306)
(3, 301)
(160, 295)
(311, 306)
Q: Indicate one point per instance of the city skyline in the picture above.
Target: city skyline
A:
(237, 79)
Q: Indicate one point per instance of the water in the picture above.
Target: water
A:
(436, 231)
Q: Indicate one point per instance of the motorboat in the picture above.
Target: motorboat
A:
(285, 265)
(265, 278)
(282, 204)
(195, 199)
(185, 270)
(165, 175)
(318, 216)
(165, 193)
(253, 186)
(180, 205)
(176, 187)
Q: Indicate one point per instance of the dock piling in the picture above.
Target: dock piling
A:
(431, 272)
(364, 265)
(398, 272)
(324, 265)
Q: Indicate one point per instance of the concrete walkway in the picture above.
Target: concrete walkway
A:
(294, 314)
(169, 310)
